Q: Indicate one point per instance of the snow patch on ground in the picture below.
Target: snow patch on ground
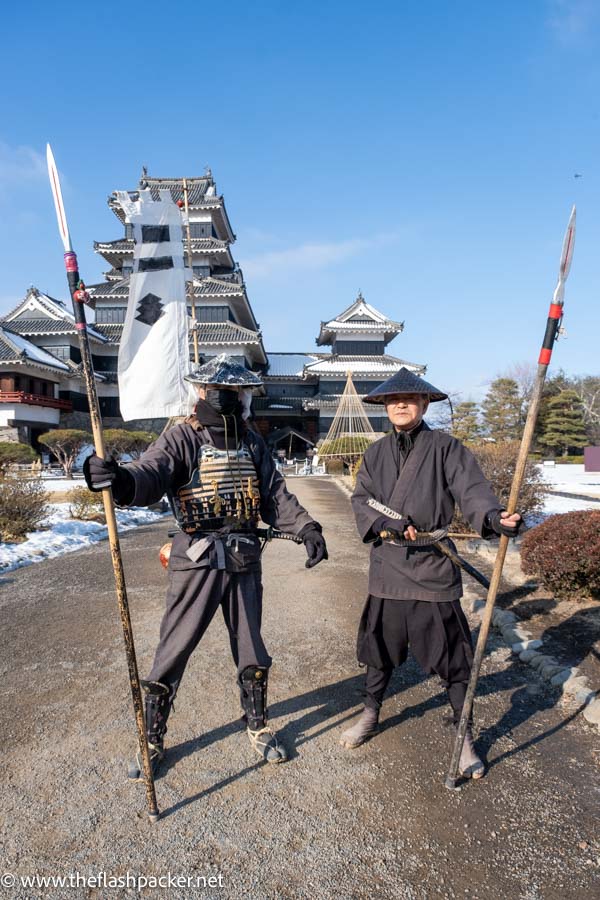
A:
(572, 479)
(63, 535)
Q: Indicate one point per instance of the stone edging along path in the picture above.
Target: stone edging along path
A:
(567, 678)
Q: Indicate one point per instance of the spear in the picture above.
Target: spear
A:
(190, 285)
(79, 296)
(552, 330)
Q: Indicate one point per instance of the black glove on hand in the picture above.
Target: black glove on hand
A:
(314, 543)
(495, 523)
(102, 473)
(384, 523)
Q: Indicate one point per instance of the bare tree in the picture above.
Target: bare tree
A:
(587, 388)
(524, 374)
(441, 415)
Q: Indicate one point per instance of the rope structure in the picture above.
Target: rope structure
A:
(351, 431)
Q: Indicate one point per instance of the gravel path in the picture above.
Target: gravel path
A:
(375, 822)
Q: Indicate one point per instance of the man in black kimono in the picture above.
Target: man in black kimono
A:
(414, 591)
(220, 479)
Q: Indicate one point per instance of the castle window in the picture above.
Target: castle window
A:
(110, 314)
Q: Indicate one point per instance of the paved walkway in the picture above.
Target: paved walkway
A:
(375, 822)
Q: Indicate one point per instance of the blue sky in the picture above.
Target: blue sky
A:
(422, 153)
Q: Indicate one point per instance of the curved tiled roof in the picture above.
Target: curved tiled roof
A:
(15, 349)
(46, 326)
(226, 333)
(212, 286)
(110, 289)
(361, 365)
(125, 246)
(110, 330)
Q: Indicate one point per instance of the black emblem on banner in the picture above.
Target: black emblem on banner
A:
(155, 234)
(150, 309)
(155, 263)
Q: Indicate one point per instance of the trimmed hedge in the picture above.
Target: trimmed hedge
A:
(564, 554)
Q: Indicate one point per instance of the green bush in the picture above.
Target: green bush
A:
(564, 553)
(23, 506)
(498, 461)
(86, 505)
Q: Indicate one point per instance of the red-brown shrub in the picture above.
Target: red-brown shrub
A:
(498, 461)
(564, 553)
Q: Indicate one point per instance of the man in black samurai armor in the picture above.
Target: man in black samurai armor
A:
(414, 591)
(220, 480)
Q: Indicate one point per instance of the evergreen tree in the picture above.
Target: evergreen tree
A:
(552, 388)
(564, 426)
(502, 410)
(466, 425)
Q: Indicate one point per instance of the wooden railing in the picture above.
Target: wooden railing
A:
(35, 400)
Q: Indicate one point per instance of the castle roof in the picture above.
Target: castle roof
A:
(202, 194)
(359, 318)
(16, 350)
(39, 314)
(113, 251)
(361, 365)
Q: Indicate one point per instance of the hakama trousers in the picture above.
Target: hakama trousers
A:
(437, 634)
(193, 597)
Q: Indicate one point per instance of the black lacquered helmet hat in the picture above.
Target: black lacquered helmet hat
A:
(404, 382)
(223, 370)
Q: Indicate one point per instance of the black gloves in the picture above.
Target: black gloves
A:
(384, 523)
(315, 545)
(102, 473)
(494, 520)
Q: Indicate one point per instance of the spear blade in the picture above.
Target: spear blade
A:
(565, 259)
(58, 200)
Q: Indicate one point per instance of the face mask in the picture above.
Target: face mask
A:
(223, 401)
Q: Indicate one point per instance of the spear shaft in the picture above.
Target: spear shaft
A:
(79, 297)
(190, 285)
(551, 333)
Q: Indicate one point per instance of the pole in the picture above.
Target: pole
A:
(190, 284)
(79, 296)
(552, 330)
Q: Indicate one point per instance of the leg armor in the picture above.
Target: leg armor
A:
(158, 700)
(253, 684)
(253, 688)
(158, 703)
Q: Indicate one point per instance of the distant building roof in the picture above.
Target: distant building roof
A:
(113, 288)
(17, 350)
(112, 331)
(288, 365)
(359, 317)
(202, 194)
(125, 246)
(39, 314)
(361, 365)
(226, 333)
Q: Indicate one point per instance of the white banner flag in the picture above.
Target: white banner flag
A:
(154, 351)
